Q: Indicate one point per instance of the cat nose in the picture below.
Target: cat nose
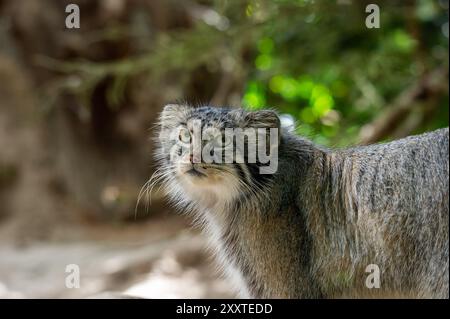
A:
(193, 159)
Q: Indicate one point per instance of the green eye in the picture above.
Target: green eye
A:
(184, 135)
(228, 140)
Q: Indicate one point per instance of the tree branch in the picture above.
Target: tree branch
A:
(428, 87)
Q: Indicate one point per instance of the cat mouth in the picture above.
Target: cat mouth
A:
(196, 173)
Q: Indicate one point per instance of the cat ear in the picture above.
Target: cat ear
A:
(173, 109)
(263, 119)
(173, 112)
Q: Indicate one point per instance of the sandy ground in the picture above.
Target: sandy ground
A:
(172, 266)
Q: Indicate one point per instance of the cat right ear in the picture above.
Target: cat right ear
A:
(172, 109)
(173, 112)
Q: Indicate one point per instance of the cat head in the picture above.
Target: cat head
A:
(213, 155)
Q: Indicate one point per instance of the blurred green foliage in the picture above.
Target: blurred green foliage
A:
(318, 62)
(313, 59)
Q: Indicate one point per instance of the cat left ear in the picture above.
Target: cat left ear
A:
(263, 119)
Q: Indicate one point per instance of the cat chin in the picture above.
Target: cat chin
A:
(211, 190)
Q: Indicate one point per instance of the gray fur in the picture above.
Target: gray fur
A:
(312, 229)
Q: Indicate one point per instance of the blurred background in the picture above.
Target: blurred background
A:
(77, 107)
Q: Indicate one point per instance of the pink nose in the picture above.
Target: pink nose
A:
(194, 159)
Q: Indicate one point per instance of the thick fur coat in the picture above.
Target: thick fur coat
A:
(311, 229)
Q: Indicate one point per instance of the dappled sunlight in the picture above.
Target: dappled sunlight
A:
(170, 279)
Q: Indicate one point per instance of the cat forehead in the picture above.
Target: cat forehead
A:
(212, 117)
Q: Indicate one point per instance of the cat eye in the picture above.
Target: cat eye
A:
(184, 135)
(228, 140)
(223, 142)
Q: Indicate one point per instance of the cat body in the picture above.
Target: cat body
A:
(326, 220)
